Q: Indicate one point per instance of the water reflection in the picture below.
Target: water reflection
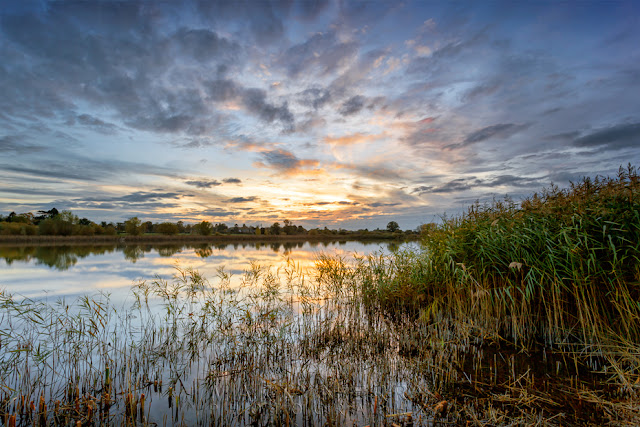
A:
(66, 256)
(57, 257)
(66, 271)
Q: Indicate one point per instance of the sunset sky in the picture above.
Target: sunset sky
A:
(339, 114)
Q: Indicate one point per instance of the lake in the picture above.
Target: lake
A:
(54, 272)
(250, 350)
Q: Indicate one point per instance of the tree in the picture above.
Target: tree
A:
(167, 228)
(275, 228)
(204, 228)
(147, 227)
(393, 226)
(133, 226)
(289, 228)
(52, 213)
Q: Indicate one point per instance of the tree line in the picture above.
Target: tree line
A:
(66, 223)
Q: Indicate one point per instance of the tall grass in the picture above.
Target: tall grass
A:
(559, 270)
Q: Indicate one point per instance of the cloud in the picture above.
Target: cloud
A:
(502, 130)
(452, 186)
(118, 57)
(66, 165)
(260, 21)
(232, 181)
(614, 137)
(352, 106)
(205, 45)
(242, 199)
(381, 204)
(314, 97)
(97, 124)
(321, 54)
(252, 99)
(145, 196)
(204, 183)
(16, 144)
(356, 138)
(464, 184)
(216, 212)
(285, 162)
(53, 171)
(141, 202)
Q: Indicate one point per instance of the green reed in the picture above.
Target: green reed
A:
(559, 270)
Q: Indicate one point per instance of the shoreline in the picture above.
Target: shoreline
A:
(188, 238)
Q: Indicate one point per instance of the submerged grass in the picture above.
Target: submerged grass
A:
(511, 315)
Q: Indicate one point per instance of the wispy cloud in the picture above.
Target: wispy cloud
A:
(619, 136)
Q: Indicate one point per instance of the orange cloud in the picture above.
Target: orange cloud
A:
(356, 138)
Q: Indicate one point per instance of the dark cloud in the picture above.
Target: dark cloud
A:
(65, 165)
(145, 196)
(284, 161)
(281, 159)
(443, 61)
(17, 144)
(464, 184)
(314, 97)
(111, 55)
(261, 20)
(352, 106)
(481, 90)
(209, 183)
(381, 204)
(564, 136)
(232, 181)
(514, 181)
(242, 199)
(502, 130)
(615, 137)
(143, 202)
(205, 46)
(216, 212)
(310, 9)
(52, 171)
(204, 183)
(33, 191)
(97, 124)
(455, 185)
(253, 100)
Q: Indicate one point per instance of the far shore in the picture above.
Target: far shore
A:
(194, 238)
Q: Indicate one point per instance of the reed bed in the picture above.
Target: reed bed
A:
(277, 350)
(511, 315)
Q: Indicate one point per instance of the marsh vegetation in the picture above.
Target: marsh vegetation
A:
(512, 314)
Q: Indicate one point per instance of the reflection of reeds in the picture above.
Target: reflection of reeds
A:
(452, 335)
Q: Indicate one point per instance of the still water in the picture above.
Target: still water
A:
(54, 272)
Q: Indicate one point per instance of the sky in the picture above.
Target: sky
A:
(326, 113)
